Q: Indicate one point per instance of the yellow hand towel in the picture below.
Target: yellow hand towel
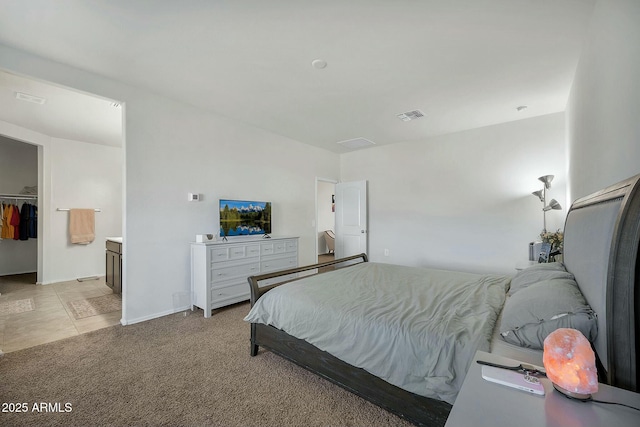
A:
(82, 226)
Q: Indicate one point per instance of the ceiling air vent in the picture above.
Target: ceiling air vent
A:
(30, 98)
(357, 143)
(410, 115)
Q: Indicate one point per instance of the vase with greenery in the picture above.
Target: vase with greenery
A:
(556, 240)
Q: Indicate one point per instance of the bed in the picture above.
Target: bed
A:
(602, 233)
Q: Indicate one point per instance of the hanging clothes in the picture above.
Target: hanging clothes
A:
(33, 221)
(7, 228)
(15, 222)
(6, 223)
(18, 223)
(24, 221)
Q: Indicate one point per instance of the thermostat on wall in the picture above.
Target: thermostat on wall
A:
(194, 197)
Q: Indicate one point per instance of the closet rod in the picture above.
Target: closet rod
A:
(68, 209)
(18, 196)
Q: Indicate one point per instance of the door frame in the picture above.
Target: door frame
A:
(43, 143)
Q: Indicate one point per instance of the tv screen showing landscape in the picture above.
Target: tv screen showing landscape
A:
(244, 218)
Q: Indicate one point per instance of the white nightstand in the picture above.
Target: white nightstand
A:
(483, 403)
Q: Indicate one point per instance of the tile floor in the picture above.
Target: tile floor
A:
(50, 320)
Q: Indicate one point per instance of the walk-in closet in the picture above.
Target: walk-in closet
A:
(18, 207)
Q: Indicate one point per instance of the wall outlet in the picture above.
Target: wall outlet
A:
(386, 252)
(193, 197)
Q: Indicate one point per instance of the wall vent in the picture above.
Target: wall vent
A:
(30, 98)
(410, 115)
(356, 143)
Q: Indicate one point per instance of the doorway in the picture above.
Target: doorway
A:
(18, 204)
(325, 218)
(78, 165)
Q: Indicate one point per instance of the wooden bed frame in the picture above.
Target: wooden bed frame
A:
(417, 409)
(602, 234)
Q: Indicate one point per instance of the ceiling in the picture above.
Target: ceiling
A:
(463, 63)
(64, 114)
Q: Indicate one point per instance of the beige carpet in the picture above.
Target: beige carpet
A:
(17, 306)
(174, 371)
(94, 306)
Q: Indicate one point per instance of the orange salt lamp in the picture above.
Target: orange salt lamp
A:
(570, 363)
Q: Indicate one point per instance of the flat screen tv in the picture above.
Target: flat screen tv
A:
(244, 218)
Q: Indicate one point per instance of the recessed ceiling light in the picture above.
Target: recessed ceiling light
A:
(410, 115)
(30, 98)
(319, 64)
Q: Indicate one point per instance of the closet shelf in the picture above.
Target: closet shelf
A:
(18, 196)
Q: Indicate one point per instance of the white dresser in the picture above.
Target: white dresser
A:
(219, 270)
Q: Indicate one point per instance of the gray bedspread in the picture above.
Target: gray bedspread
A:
(415, 328)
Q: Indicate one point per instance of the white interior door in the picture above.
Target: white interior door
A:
(351, 218)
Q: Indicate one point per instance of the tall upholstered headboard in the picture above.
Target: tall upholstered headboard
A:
(602, 233)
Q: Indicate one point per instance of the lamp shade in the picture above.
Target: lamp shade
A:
(570, 363)
(539, 195)
(553, 204)
(546, 179)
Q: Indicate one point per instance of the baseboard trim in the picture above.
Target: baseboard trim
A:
(126, 322)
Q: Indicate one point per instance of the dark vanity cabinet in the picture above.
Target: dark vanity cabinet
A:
(114, 266)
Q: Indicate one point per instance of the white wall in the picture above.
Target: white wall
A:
(604, 106)
(462, 201)
(18, 168)
(172, 149)
(82, 175)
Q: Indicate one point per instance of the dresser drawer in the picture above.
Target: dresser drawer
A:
(275, 264)
(253, 251)
(223, 272)
(278, 247)
(291, 246)
(228, 253)
(266, 249)
(231, 291)
(219, 254)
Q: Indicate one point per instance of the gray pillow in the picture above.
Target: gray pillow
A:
(534, 312)
(537, 273)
